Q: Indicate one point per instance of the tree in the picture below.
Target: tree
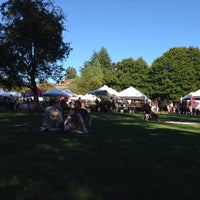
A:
(7, 59)
(91, 77)
(139, 75)
(130, 72)
(71, 73)
(44, 85)
(175, 73)
(31, 39)
(105, 63)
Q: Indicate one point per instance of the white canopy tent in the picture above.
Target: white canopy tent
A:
(105, 91)
(4, 93)
(132, 93)
(70, 93)
(89, 97)
(191, 95)
(56, 93)
(15, 94)
(196, 94)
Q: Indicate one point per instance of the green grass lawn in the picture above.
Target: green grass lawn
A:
(121, 158)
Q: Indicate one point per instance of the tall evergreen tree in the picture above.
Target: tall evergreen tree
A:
(70, 73)
(105, 63)
(91, 77)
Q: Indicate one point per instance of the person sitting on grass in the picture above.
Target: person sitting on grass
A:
(52, 120)
(147, 111)
(149, 114)
(78, 119)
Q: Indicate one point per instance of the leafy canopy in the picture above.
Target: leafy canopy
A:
(31, 42)
(175, 73)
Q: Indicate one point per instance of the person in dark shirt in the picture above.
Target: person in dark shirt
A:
(147, 111)
(78, 120)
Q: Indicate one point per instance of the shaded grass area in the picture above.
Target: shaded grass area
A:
(122, 158)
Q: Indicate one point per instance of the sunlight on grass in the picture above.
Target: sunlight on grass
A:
(67, 143)
(185, 128)
(82, 192)
(48, 147)
(71, 143)
(7, 120)
(12, 181)
(131, 123)
(122, 157)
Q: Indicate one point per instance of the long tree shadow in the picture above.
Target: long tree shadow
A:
(121, 158)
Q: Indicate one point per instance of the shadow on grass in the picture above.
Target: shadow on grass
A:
(122, 157)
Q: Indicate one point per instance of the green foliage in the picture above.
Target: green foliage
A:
(32, 30)
(44, 85)
(91, 77)
(71, 73)
(105, 63)
(104, 59)
(74, 86)
(175, 74)
(131, 72)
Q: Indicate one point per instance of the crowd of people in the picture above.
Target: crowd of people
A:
(191, 107)
(74, 116)
(9, 102)
(78, 119)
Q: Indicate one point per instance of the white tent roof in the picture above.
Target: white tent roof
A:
(195, 94)
(70, 93)
(131, 92)
(109, 89)
(56, 92)
(15, 94)
(4, 93)
(105, 91)
(87, 97)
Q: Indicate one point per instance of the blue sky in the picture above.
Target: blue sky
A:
(129, 28)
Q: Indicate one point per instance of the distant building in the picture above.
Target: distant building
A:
(62, 85)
